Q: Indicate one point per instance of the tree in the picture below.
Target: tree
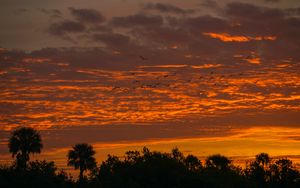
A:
(258, 171)
(145, 169)
(263, 159)
(38, 174)
(283, 172)
(218, 161)
(22, 142)
(192, 163)
(176, 154)
(82, 158)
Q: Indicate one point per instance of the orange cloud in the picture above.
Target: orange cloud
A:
(144, 97)
(35, 60)
(205, 66)
(225, 37)
(164, 66)
(2, 49)
(256, 61)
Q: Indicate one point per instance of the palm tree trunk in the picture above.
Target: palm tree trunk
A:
(81, 174)
(21, 161)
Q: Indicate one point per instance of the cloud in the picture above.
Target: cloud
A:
(95, 86)
(21, 11)
(54, 13)
(293, 11)
(138, 20)
(205, 23)
(163, 36)
(210, 4)
(225, 37)
(166, 8)
(272, 1)
(246, 11)
(101, 29)
(64, 27)
(91, 16)
(112, 40)
(189, 34)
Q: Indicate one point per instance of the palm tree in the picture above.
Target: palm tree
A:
(81, 157)
(22, 142)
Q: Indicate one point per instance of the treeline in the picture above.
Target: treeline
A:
(140, 169)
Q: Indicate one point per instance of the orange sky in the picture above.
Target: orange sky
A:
(208, 77)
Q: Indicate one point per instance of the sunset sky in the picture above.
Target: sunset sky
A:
(206, 76)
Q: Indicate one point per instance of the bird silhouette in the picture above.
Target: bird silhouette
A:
(143, 58)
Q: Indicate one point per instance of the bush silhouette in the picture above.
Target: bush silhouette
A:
(37, 174)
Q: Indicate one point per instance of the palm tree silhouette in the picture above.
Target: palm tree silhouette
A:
(81, 157)
(22, 142)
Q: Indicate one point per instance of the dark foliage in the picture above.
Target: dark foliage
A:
(142, 169)
(156, 169)
(38, 174)
(147, 169)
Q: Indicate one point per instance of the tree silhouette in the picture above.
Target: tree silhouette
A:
(82, 158)
(176, 154)
(38, 174)
(218, 161)
(258, 171)
(148, 169)
(145, 169)
(192, 163)
(283, 172)
(22, 142)
(263, 159)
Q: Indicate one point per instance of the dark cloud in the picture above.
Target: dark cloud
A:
(245, 11)
(209, 3)
(99, 58)
(54, 13)
(138, 20)
(163, 35)
(166, 8)
(272, 1)
(258, 21)
(205, 23)
(10, 58)
(121, 133)
(146, 32)
(64, 27)
(112, 39)
(87, 15)
(293, 11)
(22, 10)
(101, 28)
(78, 57)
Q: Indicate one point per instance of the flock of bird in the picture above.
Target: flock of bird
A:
(173, 80)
